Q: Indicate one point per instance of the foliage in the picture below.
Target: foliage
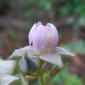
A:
(73, 6)
(66, 78)
(46, 4)
(78, 46)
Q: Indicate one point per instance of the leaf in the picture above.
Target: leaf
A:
(64, 77)
(82, 21)
(73, 80)
(78, 46)
(59, 77)
(46, 4)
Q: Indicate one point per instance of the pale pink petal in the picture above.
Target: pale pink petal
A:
(53, 59)
(54, 33)
(7, 66)
(63, 51)
(43, 36)
(31, 33)
(19, 52)
(7, 79)
(23, 51)
(40, 37)
(39, 23)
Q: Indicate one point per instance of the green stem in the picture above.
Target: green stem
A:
(22, 80)
(41, 78)
(41, 73)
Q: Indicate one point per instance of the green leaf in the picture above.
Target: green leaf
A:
(78, 46)
(46, 4)
(73, 80)
(67, 79)
(82, 21)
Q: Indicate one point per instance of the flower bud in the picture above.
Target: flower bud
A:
(29, 65)
(43, 36)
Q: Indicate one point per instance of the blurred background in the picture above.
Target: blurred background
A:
(18, 16)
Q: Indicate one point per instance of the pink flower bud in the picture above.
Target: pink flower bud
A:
(43, 36)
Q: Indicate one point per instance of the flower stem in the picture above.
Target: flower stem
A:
(41, 73)
(41, 78)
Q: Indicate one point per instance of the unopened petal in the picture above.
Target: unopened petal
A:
(39, 23)
(55, 59)
(54, 33)
(43, 36)
(40, 37)
(7, 79)
(31, 33)
(7, 66)
(60, 50)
